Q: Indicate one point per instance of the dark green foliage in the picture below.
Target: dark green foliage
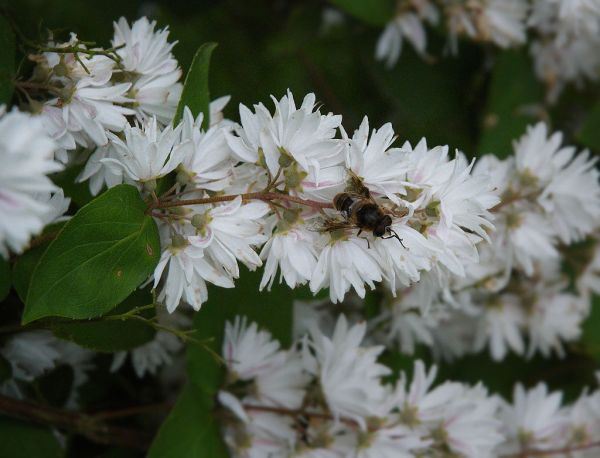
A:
(101, 255)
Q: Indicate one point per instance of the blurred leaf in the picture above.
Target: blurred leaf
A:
(23, 440)
(196, 94)
(271, 310)
(190, 430)
(515, 95)
(5, 369)
(589, 134)
(591, 331)
(570, 374)
(427, 100)
(112, 335)
(7, 61)
(102, 254)
(55, 386)
(27, 262)
(374, 12)
(5, 279)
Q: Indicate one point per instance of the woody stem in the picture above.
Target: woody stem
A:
(264, 196)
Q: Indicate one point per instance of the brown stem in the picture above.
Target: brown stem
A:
(296, 413)
(267, 196)
(132, 411)
(38, 86)
(555, 451)
(76, 422)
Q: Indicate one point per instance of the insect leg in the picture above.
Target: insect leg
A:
(395, 236)
(368, 242)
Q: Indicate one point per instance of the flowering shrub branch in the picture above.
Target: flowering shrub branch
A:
(463, 256)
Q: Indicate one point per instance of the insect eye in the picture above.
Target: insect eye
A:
(379, 231)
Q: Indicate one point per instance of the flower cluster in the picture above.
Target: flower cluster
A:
(278, 174)
(515, 296)
(28, 198)
(35, 353)
(328, 396)
(564, 35)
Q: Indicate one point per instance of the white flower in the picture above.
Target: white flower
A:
(589, 279)
(381, 169)
(249, 351)
(528, 239)
(420, 403)
(186, 269)
(100, 174)
(31, 354)
(209, 165)
(262, 434)
(572, 198)
(301, 134)
(230, 231)
(345, 263)
(407, 326)
(26, 153)
(34, 353)
(555, 318)
(148, 153)
(147, 59)
(88, 104)
(501, 326)
(470, 424)
(466, 198)
(349, 375)
(501, 22)
(584, 422)
(283, 384)
(404, 262)
(391, 441)
(148, 358)
(293, 251)
(409, 25)
(535, 418)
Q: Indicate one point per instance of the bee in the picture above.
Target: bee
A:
(361, 211)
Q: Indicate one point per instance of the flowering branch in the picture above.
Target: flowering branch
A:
(265, 196)
(556, 451)
(89, 426)
(297, 413)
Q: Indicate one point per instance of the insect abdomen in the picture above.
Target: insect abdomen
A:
(342, 202)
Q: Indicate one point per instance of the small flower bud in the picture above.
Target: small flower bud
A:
(285, 159)
(178, 241)
(261, 158)
(61, 69)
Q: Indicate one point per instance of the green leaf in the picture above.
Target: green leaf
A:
(7, 61)
(374, 12)
(23, 440)
(5, 279)
(102, 254)
(514, 92)
(26, 263)
(110, 335)
(195, 94)
(272, 310)
(190, 430)
(589, 134)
